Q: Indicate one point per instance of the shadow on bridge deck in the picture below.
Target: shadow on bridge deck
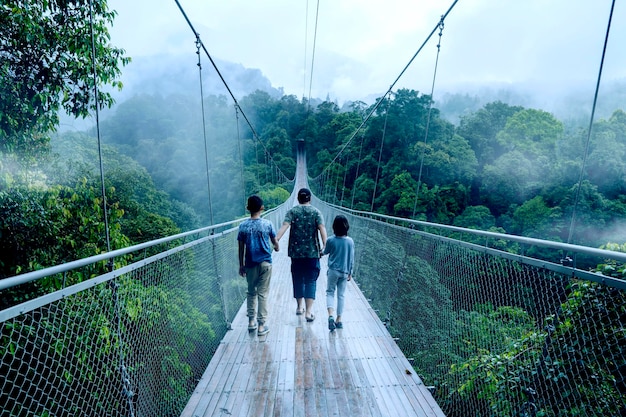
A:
(302, 369)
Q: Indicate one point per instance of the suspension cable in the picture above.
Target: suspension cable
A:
(256, 161)
(125, 378)
(197, 35)
(430, 107)
(313, 52)
(380, 153)
(306, 36)
(97, 113)
(308, 107)
(593, 111)
(375, 107)
(337, 182)
(356, 175)
(343, 185)
(243, 178)
(206, 147)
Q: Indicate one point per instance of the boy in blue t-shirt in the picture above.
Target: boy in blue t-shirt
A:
(255, 262)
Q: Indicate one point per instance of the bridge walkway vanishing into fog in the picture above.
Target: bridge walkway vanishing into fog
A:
(164, 332)
(302, 369)
(497, 324)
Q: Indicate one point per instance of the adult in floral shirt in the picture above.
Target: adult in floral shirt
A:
(307, 240)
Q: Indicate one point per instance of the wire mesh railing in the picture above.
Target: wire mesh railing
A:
(495, 332)
(130, 342)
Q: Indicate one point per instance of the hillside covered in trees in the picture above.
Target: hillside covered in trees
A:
(162, 162)
(502, 168)
(167, 167)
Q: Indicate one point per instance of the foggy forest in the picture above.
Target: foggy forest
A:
(495, 166)
(158, 144)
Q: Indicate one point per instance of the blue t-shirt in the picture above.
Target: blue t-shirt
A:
(256, 234)
(341, 251)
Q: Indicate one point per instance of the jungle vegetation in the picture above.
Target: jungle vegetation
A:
(503, 168)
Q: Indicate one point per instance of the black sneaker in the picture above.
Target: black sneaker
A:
(339, 325)
(331, 323)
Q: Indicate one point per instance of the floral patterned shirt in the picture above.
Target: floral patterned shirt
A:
(303, 238)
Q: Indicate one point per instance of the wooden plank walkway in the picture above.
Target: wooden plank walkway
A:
(302, 369)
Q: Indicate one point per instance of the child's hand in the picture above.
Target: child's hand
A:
(349, 277)
(242, 271)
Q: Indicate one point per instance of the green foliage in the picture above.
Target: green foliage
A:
(476, 217)
(374, 248)
(47, 66)
(584, 355)
(420, 308)
(40, 228)
(503, 186)
(447, 160)
(81, 340)
(481, 128)
(363, 189)
(493, 382)
(161, 332)
(206, 180)
(535, 219)
(605, 165)
(613, 268)
(75, 156)
(399, 198)
(532, 132)
(274, 197)
(170, 315)
(511, 366)
(45, 227)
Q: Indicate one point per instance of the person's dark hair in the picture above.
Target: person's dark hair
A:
(254, 203)
(340, 225)
(304, 195)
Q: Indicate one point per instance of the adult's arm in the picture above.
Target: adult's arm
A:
(275, 244)
(351, 257)
(242, 249)
(322, 230)
(282, 230)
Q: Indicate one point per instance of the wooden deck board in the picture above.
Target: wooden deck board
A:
(302, 369)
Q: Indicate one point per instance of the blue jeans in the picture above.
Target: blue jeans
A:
(336, 280)
(304, 274)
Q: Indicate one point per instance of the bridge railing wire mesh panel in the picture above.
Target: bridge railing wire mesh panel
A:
(493, 332)
(132, 342)
(133, 345)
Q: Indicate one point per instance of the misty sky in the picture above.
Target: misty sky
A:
(363, 45)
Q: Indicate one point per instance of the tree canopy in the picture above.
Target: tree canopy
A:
(47, 65)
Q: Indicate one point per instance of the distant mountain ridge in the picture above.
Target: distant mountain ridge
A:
(178, 74)
(168, 74)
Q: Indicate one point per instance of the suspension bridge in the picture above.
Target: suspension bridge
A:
(440, 320)
(166, 334)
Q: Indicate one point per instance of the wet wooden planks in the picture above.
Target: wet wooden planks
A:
(302, 369)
